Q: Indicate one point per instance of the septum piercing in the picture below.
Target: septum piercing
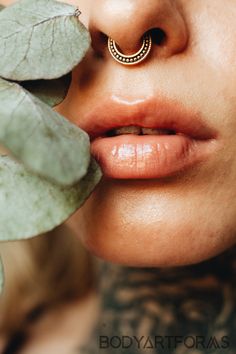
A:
(132, 59)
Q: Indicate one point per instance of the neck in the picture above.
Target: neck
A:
(150, 308)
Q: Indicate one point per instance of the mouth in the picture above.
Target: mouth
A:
(137, 130)
(151, 139)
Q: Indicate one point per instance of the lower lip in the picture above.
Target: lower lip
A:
(148, 156)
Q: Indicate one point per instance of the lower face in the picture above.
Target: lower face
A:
(189, 215)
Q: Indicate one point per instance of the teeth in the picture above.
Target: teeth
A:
(128, 130)
(139, 131)
(150, 131)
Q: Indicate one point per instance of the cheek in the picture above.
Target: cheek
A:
(213, 34)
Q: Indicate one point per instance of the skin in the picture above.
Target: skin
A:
(188, 218)
(180, 220)
(184, 219)
(175, 221)
(146, 303)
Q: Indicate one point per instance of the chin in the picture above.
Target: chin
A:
(145, 225)
(152, 247)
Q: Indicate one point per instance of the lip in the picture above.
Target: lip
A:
(147, 156)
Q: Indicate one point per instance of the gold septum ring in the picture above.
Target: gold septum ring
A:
(132, 59)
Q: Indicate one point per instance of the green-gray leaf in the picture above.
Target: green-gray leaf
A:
(2, 7)
(1, 276)
(47, 143)
(40, 39)
(51, 92)
(31, 205)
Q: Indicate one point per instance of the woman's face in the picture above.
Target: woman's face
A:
(164, 199)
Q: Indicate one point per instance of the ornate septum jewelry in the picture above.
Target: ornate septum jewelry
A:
(133, 59)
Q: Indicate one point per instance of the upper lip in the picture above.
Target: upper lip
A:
(150, 113)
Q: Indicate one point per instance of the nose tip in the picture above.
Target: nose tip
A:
(127, 21)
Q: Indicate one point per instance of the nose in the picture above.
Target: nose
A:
(126, 21)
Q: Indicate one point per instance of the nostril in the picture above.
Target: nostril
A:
(103, 38)
(158, 36)
(99, 40)
(99, 43)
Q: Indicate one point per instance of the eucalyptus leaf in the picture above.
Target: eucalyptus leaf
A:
(1, 276)
(40, 39)
(2, 7)
(31, 205)
(51, 92)
(46, 142)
